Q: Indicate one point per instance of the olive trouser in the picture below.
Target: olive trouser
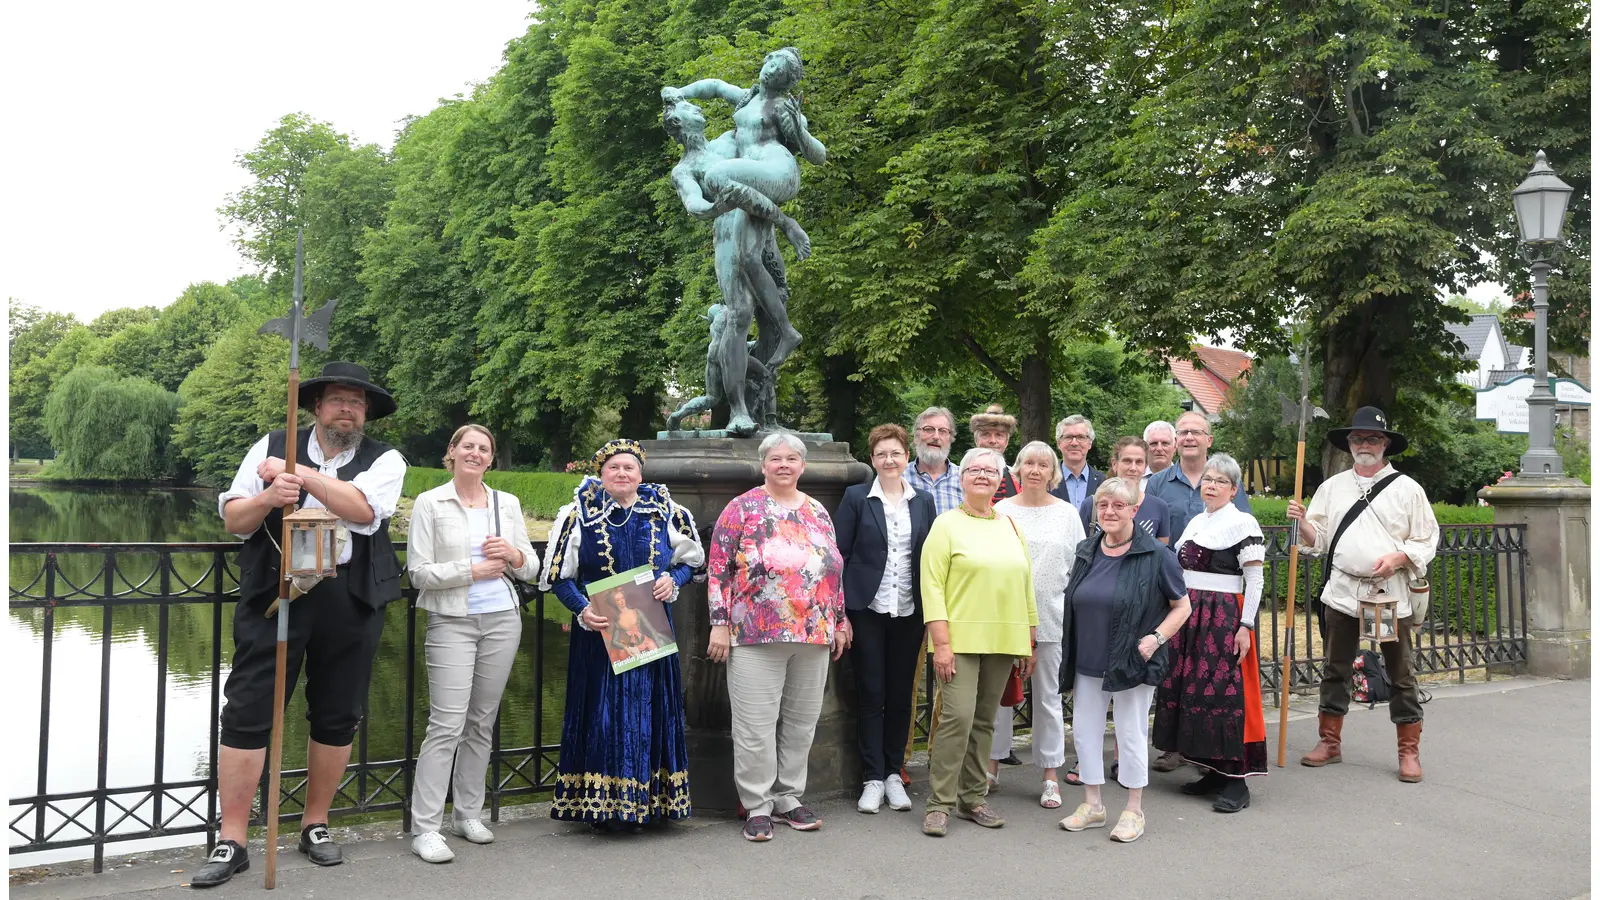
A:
(1344, 639)
(958, 762)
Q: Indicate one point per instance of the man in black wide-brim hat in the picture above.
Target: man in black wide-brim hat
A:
(336, 624)
(1377, 531)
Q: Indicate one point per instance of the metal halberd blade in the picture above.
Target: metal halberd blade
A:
(313, 328)
(1295, 413)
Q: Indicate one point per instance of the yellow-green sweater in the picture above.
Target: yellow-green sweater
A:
(976, 576)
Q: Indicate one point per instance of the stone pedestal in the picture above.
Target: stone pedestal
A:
(1556, 511)
(704, 474)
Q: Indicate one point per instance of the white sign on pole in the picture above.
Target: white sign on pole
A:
(1506, 404)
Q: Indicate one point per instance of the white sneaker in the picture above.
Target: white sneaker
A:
(871, 797)
(432, 848)
(896, 791)
(473, 830)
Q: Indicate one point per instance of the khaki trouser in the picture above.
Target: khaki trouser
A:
(1344, 639)
(775, 696)
(958, 763)
(469, 662)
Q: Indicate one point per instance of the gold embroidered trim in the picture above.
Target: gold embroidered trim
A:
(592, 796)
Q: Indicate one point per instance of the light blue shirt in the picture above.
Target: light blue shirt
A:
(1077, 485)
(946, 489)
(1183, 498)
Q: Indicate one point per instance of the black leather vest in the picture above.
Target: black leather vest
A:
(373, 576)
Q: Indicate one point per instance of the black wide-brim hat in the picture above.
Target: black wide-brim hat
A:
(380, 402)
(1369, 418)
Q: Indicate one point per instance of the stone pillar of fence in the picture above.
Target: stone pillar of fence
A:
(703, 474)
(1556, 512)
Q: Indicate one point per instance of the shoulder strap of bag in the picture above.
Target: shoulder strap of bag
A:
(1355, 513)
(494, 497)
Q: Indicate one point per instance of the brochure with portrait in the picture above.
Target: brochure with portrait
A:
(639, 631)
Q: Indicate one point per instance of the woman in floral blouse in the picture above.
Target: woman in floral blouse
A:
(777, 606)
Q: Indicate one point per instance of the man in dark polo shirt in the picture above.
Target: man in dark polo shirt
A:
(335, 625)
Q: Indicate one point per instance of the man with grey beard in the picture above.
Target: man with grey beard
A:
(1377, 531)
(932, 471)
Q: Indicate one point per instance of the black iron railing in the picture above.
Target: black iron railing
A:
(1477, 620)
(198, 581)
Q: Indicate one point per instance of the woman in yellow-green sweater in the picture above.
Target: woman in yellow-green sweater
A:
(977, 600)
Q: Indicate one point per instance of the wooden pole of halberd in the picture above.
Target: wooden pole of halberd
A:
(281, 670)
(1284, 670)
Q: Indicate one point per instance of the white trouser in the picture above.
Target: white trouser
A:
(469, 662)
(1049, 730)
(775, 696)
(1130, 712)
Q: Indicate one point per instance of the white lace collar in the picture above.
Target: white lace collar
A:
(1222, 529)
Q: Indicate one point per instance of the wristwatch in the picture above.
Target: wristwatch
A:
(1160, 641)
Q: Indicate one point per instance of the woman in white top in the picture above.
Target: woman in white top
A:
(1053, 530)
(461, 559)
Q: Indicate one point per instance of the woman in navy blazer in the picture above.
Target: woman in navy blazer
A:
(881, 526)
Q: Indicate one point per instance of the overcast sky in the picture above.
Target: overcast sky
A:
(124, 121)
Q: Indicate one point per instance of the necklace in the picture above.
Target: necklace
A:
(1105, 543)
(975, 515)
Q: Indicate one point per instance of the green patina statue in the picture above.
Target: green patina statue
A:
(739, 180)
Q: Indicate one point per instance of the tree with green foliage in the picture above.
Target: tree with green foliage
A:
(132, 351)
(112, 321)
(106, 426)
(230, 400)
(34, 333)
(188, 327)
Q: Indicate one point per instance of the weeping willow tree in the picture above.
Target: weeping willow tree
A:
(105, 426)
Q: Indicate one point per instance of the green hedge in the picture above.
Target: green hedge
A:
(542, 493)
(1270, 511)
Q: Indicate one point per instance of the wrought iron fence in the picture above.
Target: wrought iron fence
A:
(1477, 620)
(186, 577)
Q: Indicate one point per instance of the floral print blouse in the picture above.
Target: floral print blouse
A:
(775, 572)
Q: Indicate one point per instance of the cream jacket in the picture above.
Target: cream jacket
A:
(1400, 519)
(438, 557)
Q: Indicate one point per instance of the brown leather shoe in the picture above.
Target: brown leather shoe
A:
(1327, 749)
(1409, 734)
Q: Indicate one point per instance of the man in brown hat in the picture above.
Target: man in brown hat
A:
(336, 624)
(992, 430)
(1378, 532)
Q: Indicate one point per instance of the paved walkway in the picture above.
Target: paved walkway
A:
(1504, 813)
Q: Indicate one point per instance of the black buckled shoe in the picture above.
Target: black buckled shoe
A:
(220, 866)
(318, 846)
(1234, 797)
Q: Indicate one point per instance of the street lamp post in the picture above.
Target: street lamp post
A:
(1541, 205)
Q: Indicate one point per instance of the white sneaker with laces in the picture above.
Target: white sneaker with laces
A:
(432, 848)
(474, 830)
(871, 797)
(895, 790)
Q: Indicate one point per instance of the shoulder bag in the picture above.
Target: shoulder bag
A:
(525, 592)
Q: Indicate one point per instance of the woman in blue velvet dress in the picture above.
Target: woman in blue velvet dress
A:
(623, 761)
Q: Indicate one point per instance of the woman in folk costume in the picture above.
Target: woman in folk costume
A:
(623, 760)
(1209, 707)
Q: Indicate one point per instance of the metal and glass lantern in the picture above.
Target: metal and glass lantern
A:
(311, 542)
(1378, 617)
(1541, 203)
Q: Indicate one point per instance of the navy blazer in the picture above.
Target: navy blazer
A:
(1094, 475)
(863, 539)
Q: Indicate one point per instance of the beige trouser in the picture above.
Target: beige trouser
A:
(958, 764)
(775, 695)
(469, 662)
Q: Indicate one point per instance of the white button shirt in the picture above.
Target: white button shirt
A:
(894, 591)
(380, 484)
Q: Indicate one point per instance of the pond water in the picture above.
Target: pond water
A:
(131, 637)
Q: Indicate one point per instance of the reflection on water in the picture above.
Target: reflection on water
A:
(60, 514)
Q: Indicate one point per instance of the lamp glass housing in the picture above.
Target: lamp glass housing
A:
(1379, 617)
(311, 542)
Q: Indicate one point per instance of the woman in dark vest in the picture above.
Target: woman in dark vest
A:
(623, 759)
(333, 629)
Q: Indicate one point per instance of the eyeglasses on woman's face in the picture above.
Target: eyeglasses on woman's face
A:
(1217, 480)
(982, 472)
(1115, 507)
(887, 455)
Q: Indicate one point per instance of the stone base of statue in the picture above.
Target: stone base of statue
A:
(1556, 511)
(810, 437)
(704, 474)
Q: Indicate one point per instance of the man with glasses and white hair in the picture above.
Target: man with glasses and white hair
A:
(1378, 532)
(933, 433)
(1161, 441)
(1079, 480)
(1179, 484)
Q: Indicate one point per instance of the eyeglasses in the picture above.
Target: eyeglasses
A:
(929, 429)
(1074, 439)
(355, 403)
(976, 472)
(1213, 479)
(1116, 506)
(1374, 440)
(1190, 432)
(889, 454)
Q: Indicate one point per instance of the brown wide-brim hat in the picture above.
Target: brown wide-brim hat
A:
(380, 402)
(993, 419)
(1369, 418)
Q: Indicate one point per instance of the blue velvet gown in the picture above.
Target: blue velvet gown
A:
(623, 757)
